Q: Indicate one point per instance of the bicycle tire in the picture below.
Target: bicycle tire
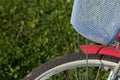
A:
(70, 61)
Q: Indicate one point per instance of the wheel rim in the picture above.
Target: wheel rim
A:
(75, 64)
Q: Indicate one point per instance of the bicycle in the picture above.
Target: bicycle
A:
(104, 59)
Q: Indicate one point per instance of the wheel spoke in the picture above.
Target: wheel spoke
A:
(77, 72)
(98, 72)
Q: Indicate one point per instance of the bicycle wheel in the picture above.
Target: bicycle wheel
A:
(71, 66)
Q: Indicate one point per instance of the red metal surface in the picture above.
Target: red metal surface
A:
(97, 49)
(119, 36)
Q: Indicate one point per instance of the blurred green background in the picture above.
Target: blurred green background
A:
(33, 32)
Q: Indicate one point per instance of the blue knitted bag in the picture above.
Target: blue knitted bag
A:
(97, 20)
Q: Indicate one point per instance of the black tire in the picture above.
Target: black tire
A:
(74, 60)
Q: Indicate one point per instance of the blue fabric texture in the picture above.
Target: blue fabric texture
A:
(97, 20)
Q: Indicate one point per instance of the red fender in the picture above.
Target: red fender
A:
(97, 49)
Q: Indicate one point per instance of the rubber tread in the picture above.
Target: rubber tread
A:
(65, 59)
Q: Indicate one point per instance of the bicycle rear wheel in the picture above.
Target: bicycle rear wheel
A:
(71, 66)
